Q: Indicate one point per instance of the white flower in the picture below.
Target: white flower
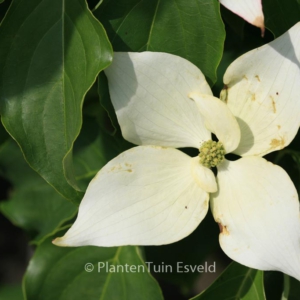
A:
(153, 195)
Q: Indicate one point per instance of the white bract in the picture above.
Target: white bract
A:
(249, 10)
(154, 194)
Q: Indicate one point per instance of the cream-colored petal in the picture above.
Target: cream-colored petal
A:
(257, 208)
(149, 91)
(145, 196)
(219, 120)
(263, 93)
(249, 10)
(204, 176)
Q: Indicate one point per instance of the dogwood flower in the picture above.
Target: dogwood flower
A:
(249, 10)
(154, 194)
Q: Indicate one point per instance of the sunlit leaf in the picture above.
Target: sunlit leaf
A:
(43, 82)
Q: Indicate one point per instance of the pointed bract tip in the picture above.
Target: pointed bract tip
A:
(259, 22)
(58, 242)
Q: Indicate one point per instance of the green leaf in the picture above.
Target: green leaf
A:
(236, 282)
(59, 273)
(280, 16)
(11, 292)
(4, 136)
(191, 29)
(43, 82)
(33, 205)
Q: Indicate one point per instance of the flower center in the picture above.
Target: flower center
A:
(211, 153)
